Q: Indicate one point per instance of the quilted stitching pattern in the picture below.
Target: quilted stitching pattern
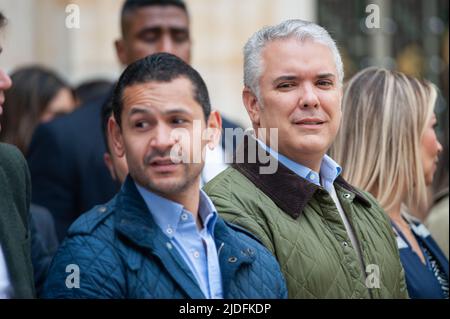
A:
(310, 250)
(112, 267)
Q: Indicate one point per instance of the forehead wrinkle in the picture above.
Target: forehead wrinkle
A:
(290, 48)
(154, 16)
(159, 97)
(138, 109)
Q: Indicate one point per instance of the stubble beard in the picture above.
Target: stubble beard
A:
(188, 177)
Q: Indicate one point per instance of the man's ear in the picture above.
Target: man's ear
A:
(109, 163)
(214, 129)
(115, 136)
(121, 51)
(252, 105)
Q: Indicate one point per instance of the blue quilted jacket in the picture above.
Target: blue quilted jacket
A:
(117, 251)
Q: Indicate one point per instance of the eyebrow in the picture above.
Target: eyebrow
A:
(139, 110)
(285, 78)
(177, 111)
(326, 76)
(293, 77)
(159, 29)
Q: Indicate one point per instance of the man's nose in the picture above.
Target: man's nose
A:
(308, 96)
(166, 44)
(5, 81)
(163, 138)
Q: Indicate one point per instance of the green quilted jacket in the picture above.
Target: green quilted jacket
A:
(300, 224)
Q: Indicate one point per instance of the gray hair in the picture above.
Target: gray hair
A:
(299, 29)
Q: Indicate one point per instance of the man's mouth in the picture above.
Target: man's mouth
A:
(163, 165)
(310, 122)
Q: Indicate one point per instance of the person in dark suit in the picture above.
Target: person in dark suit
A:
(16, 271)
(66, 155)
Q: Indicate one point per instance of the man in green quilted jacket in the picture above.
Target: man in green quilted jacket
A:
(331, 239)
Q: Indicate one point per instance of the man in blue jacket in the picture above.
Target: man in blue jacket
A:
(161, 236)
(66, 155)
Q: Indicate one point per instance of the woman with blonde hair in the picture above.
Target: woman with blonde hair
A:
(387, 146)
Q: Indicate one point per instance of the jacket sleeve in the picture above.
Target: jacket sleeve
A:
(401, 291)
(283, 294)
(85, 267)
(281, 291)
(52, 176)
(40, 257)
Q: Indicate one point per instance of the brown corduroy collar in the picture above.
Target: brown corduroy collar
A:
(289, 191)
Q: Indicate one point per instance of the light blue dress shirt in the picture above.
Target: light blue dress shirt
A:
(197, 247)
(329, 169)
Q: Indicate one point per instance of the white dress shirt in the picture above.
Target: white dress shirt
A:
(5, 283)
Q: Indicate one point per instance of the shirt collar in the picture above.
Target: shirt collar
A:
(207, 212)
(329, 169)
(167, 213)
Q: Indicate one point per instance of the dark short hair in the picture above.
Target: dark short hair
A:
(160, 67)
(93, 89)
(130, 6)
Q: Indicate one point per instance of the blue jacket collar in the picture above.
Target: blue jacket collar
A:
(134, 221)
